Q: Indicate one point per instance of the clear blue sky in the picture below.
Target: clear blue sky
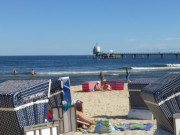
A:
(72, 27)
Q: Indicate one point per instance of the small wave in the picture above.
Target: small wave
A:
(167, 65)
(62, 73)
(154, 68)
(116, 75)
(173, 65)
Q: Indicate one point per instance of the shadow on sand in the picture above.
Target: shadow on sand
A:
(111, 117)
(81, 91)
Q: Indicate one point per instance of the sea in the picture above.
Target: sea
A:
(85, 67)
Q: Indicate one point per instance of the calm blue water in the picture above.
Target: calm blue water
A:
(80, 68)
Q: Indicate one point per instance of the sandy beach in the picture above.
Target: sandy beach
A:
(109, 105)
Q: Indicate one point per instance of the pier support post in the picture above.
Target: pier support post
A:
(143, 56)
(147, 56)
(122, 56)
(134, 56)
(162, 56)
(176, 56)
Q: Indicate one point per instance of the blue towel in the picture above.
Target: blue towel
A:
(134, 126)
(66, 106)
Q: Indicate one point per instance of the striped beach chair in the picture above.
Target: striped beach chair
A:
(22, 103)
(138, 108)
(163, 99)
(134, 88)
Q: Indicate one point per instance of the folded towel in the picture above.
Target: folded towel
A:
(104, 126)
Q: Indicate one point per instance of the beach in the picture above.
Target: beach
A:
(109, 105)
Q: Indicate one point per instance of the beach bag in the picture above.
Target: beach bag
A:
(104, 126)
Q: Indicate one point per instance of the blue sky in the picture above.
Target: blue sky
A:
(72, 27)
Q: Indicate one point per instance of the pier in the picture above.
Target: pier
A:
(103, 55)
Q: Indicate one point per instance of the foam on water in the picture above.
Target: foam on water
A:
(168, 67)
(173, 65)
(81, 72)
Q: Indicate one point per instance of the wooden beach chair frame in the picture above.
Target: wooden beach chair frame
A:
(67, 119)
(38, 129)
(176, 122)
